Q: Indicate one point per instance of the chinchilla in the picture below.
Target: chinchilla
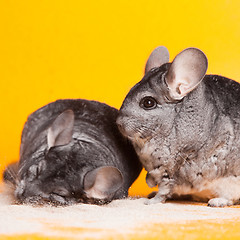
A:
(185, 127)
(72, 151)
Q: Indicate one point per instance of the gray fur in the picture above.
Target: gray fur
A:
(72, 151)
(188, 141)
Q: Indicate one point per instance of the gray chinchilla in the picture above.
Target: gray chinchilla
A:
(72, 151)
(185, 127)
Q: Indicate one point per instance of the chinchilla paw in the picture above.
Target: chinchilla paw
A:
(219, 202)
(151, 181)
(152, 194)
(154, 200)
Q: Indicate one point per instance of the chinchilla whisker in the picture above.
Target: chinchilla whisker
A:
(184, 158)
(11, 173)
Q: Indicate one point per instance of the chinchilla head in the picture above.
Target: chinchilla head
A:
(149, 109)
(64, 172)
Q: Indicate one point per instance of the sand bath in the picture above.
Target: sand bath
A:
(128, 219)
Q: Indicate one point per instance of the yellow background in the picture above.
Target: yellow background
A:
(52, 49)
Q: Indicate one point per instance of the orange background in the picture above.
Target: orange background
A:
(97, 50)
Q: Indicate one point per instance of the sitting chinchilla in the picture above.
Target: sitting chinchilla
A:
(185, 127)
(72, 151)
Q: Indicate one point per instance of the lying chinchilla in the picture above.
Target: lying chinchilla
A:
(185, 127)
(72, 151)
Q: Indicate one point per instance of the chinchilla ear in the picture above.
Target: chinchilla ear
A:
(186, 72)
(61, 130)
(103, 182)
(158, 57)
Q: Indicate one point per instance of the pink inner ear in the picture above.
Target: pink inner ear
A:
(184, 89)
(103, 182)
(158, 57)
(186, 72)
(60, 132)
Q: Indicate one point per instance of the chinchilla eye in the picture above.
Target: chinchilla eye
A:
(148, 103)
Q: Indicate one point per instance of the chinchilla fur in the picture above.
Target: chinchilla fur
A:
(185, 127)
(72, 151)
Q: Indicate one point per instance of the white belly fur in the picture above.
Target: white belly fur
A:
(227, 187)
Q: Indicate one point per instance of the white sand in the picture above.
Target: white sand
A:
(120, 217)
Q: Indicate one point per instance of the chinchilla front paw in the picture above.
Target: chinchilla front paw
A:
(152, 194)
(219, 202)
(154, 200)
(155, 176)
(151, 182)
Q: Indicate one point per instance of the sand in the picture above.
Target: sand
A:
(92, 221)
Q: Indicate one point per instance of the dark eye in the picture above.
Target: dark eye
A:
(148, 103)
